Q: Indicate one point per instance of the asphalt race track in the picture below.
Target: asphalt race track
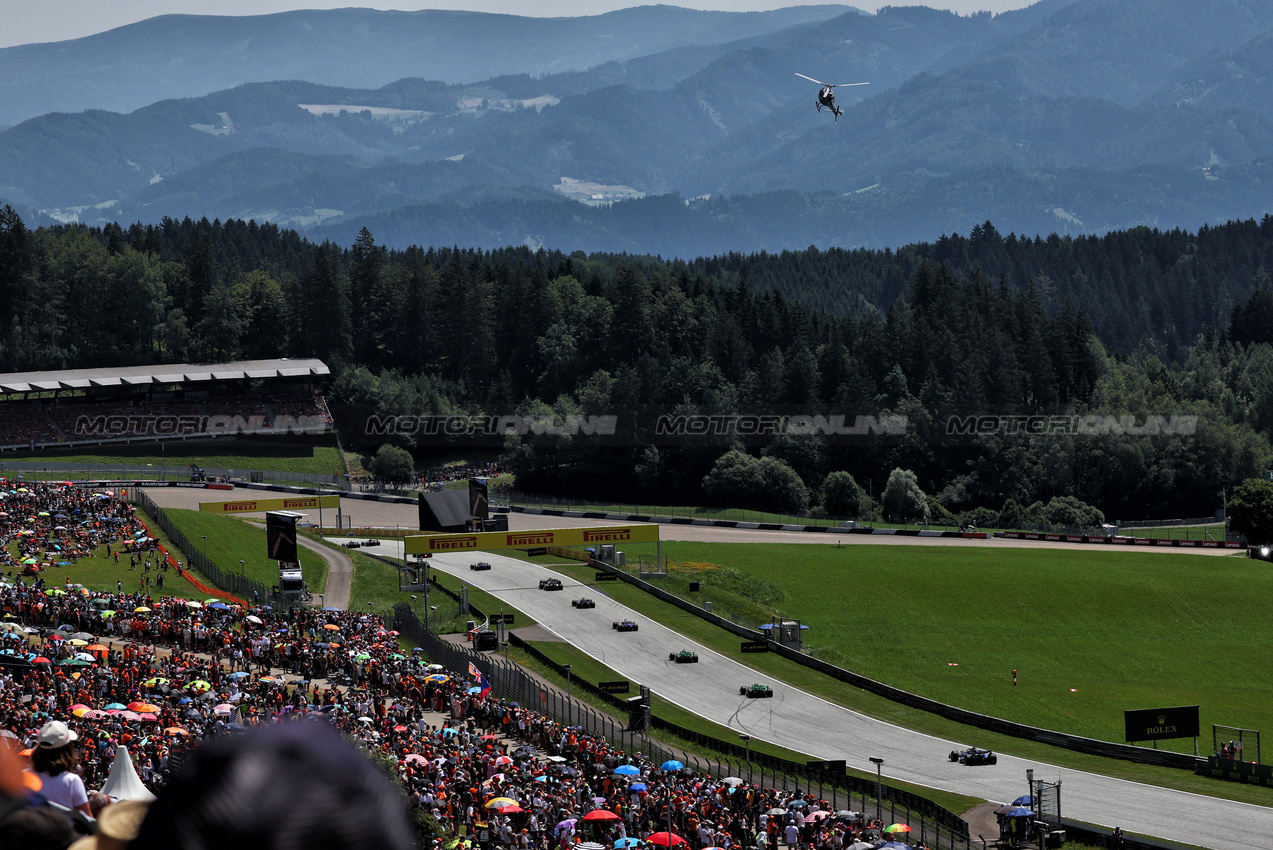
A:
(808, 724)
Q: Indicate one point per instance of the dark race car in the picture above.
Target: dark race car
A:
(583, 603)
(756, 691)
(973, 756)
(625, 626)
(550, 584)
(683, 657)
(480, 565)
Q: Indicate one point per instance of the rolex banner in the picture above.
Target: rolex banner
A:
(1156, 724)
(616, 535)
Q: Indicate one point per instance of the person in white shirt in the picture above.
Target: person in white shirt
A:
(54, 760)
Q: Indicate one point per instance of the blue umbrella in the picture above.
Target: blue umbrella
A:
(638, 786)
(238, 675)
(627, 770)
(672, 764)
(1023, 800)
(1019, 812)
(220, 606)
(474, 690)
(627, 842)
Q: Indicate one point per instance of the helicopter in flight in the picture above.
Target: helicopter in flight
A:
(826, 97)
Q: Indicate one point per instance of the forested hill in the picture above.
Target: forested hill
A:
(925, 334)
(1142, 289)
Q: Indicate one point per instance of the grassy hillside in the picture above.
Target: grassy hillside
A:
(1091, 633)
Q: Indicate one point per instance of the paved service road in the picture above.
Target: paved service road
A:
(811, 725)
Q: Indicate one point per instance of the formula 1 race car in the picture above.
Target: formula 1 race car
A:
(583, 603)
(550, 584)
(756, 691)
(625, 626)
(480, 565)
(683, 657)
(973, 756)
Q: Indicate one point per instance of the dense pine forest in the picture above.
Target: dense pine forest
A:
(1141, 323)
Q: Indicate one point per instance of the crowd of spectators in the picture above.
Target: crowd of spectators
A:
(24, 425)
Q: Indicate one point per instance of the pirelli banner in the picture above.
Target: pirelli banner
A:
(252, 506)
(420, 544)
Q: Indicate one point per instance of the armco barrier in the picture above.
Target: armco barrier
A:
(1120, 541)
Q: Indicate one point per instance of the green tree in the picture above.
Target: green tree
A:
(841, 494)
(903, 500)
(781, 491)
(392, 464)
(1251, 510)
(735, 479)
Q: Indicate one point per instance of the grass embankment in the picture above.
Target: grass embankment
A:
(101, 572)
(376, 581)
(1131, 630)
(230, 540)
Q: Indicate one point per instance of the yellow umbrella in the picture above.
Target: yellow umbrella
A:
(142, 610)
(496, 802)
(78, 642)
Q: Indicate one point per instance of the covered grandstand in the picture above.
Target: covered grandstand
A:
(80, 407)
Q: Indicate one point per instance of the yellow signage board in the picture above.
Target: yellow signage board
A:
(487, 540)
(252, 506)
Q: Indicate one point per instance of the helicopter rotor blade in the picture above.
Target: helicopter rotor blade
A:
(812, 80)
(846, 85)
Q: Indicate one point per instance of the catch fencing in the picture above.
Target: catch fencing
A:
(933, 825)
(240, 585)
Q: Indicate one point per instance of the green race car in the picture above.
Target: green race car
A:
(756, 691)
(683, 657)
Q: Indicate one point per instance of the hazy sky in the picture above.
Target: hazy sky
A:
(26, 21)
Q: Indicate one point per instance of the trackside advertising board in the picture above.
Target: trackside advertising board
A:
(417, 544)
(252, 506)
(1156, 724)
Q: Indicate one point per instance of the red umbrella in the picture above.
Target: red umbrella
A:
(666, 839)
(603, 815)
(509, 810)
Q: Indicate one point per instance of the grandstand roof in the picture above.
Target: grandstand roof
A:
(173, 373)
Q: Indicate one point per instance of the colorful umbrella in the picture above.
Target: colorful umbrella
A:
(600, 815)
